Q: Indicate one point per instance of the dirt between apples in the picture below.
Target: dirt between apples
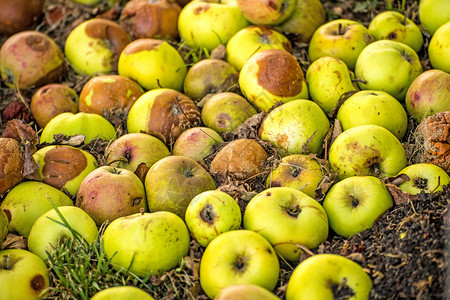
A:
(405, 253)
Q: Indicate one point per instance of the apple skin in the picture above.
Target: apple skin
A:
(11, 163)
(64, 167)
(19, 15)
(30, 59)
(433, 14)
(373, 107)
(27, 201)
(439, 48)
(328, 79)
(253, 39)
(270, 76)
(164, 113)
(136, 150)
(367, 150)
(224, 112)
(315, 277)
(153, 64)
(428, 94)
(211, 213)
(92, 126)
(306, 18)
(297, 171)
(52, 99)
(46, 232)
(173, 181)
(108, 193)
(209, 76)
(122, 293)
(388, 66)
(206, 25)
(196, 142)
(290, 126)
(146, 243)
(24, 277)
(267, 12)
(392, 25)
(424, 177)
(245, 291)
(341, 38)
(286, 217)
(355, 203)
(3, 226)
(94, 46)
(237, 257)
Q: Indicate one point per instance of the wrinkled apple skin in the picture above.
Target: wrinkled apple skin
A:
(11, 164)
(30, 59)
(439, 48)
(428, 94)
(147, 243)
(424, 177)
(355, 203)
(108, 193)
(196, 142)
(367, 150)
(23, 275)
(122, 293)
(224, 112)
(315, 277)
(211, 213)
(27, 201)
(46, 232)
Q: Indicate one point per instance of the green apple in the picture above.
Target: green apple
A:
(287, 218)
(238, 257)
(209, 76)
(224, 112)
(211, 213)
(27, 201)
(306, 18)
(87, 2)
(341, 38)
(108, 193)
(298, 171)
(367, 150)
(94, 46)
(270, 76)
(136, 152)
(30, 59)
(355, 203)
(439, 48)
(64, 167)
(48, 230)
(122, 293)
(196, 143)
(321, 275)
(92, 126)
(3, 226)
(245, 291)
(252, 39)
(428, 94)
(146, 243)
(267, 12)
(164, 113)
(208, 24)
(23, 275)
(52, 99)
(328, 80)
(153, 64)
(296, 127)
(173, 181)
(394, 26)
(425, 177)
(373, 107)
(387, 66)
(433, 14)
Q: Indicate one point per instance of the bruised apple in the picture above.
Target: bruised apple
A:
(196, 142)
(19, 15)
(11, 163)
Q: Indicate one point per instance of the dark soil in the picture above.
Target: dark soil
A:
(405, 253)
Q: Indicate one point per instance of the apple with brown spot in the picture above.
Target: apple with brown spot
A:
(196, 142)
(11, 164)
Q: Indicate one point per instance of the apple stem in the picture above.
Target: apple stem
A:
(4, 264)
(340, 32)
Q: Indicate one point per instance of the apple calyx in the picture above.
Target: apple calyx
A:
(421, 183)
(294, 211)
(188, 172)
(342, 290)
(240, 265)
(207, 214)
(355, 201)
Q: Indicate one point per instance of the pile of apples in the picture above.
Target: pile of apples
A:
(336, 132)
